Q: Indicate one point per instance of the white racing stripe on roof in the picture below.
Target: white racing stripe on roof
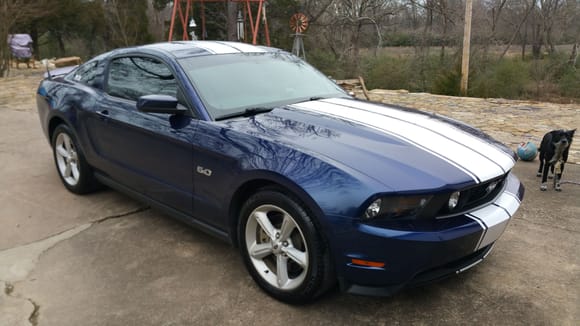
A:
(217, 48)
(243, 47)
(487, 151)
(454, 153)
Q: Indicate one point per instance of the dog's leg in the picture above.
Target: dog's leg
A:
(558, 176)
(544, 186)
(551, 174)
(539, 174)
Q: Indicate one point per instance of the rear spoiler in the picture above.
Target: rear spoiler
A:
(59, 72)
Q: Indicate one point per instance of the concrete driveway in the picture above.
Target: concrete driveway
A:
(104, 259)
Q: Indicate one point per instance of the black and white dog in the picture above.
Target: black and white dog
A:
(553, 155)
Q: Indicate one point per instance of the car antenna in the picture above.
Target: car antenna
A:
(45, 63)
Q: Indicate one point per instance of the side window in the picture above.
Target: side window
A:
(133, 77)
(86, 73)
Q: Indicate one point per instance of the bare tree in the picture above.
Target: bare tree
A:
(549, 11)
(13, 12)
(346, 21)
(127, 21)
(529, 6)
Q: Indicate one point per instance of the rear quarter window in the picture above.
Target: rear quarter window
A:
(86, 73)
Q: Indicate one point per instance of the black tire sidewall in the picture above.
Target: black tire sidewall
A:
(86, 182)
(317, 264)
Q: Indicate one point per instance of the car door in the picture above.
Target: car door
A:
(149, 153)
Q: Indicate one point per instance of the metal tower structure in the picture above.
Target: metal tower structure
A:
(254, 18)
(299, 25)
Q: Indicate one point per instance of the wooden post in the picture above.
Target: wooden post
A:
(466, 47)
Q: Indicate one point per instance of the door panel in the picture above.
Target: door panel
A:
(150, 153)
(146, 151)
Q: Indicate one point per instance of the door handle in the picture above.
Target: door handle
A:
(103, 115)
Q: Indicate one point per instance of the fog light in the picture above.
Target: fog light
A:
(453, 200)
(491, 187)
(374, 209)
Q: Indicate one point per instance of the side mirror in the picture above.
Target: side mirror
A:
(159, 104)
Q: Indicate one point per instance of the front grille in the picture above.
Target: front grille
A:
(478, 195)
(471, 197)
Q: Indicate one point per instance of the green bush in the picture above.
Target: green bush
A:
(326, 62)
(569, 83)
(414, 73)
(426, 69)
(512, 78)
(387, 72)
(400, 39)
(506, 78)
(448, 82)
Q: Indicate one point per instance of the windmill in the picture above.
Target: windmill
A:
(299, 25)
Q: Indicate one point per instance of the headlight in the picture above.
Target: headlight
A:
(374, 209)
(393, 207)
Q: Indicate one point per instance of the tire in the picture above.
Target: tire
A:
(73, 170)
(281, 248)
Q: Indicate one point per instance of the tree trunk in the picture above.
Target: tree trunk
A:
(524, 43)
(60, 41)
(444, 36)
(537, 45)
(549, 42)
(355, 49)
(232, 15)
(573, 55)
(35, 46)
(517, 32)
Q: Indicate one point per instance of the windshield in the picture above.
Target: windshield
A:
(232, 83)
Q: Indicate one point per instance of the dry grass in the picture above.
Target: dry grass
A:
(402, 51)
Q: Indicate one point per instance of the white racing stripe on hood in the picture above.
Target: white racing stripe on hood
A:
(490, 152)
(464, 158)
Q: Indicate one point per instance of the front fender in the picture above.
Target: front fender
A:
(325, 189)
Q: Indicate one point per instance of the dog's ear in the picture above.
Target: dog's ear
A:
(571, 132)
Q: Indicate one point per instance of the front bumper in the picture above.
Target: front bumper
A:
(419, 252)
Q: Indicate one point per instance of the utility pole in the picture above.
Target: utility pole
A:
(466, 47)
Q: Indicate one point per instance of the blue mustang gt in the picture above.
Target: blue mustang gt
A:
(256, 147)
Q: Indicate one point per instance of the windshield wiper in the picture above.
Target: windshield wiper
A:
(246, 113)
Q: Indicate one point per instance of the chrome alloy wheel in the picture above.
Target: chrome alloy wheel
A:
(277, 247)
(67, 159)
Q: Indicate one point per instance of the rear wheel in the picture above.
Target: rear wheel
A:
(75, 173)
(282, 249)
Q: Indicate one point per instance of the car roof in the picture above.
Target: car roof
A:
(182, 49)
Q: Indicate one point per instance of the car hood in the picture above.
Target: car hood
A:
(404, 149)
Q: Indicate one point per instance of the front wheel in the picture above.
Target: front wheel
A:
(282, 249)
